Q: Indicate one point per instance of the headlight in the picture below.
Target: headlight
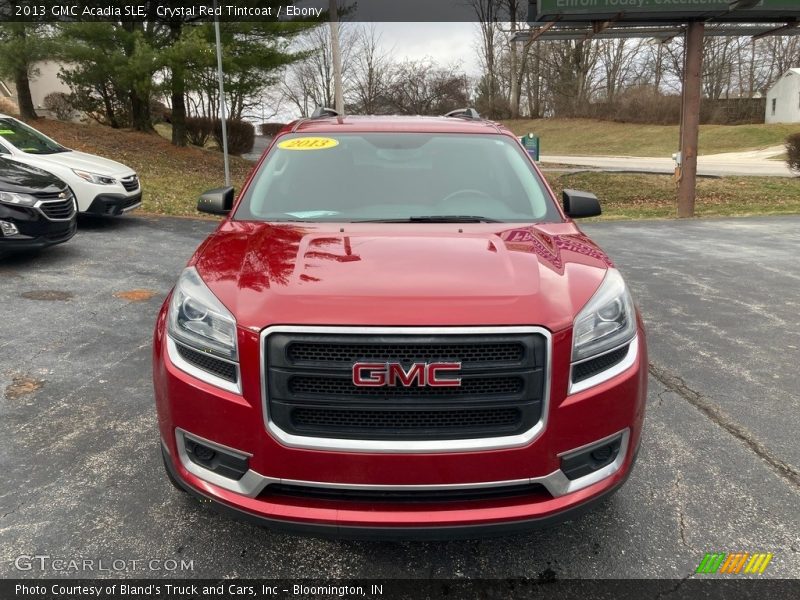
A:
(94, 177)
(198, 319)
(17, 199)
(608, 320)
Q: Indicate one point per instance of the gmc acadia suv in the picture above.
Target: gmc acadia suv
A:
(397, 331)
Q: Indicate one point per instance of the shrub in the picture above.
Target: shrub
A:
(198, 130)
(793, 152)
(160, 112)
(270, 129)
(60, 104)
(8, 107)
(642, 104)
(241, 135)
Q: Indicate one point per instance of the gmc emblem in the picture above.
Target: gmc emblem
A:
(391, 374)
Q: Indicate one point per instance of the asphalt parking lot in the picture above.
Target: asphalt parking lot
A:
(718, 469)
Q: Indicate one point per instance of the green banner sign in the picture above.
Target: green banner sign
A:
(661, 10)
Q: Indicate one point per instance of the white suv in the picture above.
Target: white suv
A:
(101, 186)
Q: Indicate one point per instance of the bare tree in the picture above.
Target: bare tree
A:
(533, 81)
(781, 54)
(421, 87)
(653, 68)
(719, 65)
(371, 71)
(310, 83)
(487, 12)
(570, 75)
(620, 64)
(519, 52)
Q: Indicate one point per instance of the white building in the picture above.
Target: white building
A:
(783, 99)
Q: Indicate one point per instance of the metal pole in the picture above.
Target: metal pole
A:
(337, 58)
(223, 107)
(690, 118)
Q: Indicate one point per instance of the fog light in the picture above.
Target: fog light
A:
(203, 453)
(584, 462)
(218, 459)
(8, 229)
(602, 454)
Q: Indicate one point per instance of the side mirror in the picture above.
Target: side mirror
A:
(218, 201)
(579, 205)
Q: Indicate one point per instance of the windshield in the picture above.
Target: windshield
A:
(397, 177)
(27, 138)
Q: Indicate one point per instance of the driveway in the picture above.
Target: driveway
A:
(260, 143)
(718, 468)
(756, 163)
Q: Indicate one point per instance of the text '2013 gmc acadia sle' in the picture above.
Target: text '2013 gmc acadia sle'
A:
(397, 331)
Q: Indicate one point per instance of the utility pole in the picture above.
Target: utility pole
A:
(223, 107)
(690, 117)
(337, 57)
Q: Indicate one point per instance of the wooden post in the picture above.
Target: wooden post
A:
(690, 117)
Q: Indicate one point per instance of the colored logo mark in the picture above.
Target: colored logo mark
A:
(734, 563)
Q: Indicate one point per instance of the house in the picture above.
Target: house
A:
(43, 81)
(783, 99)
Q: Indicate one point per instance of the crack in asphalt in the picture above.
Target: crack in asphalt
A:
(676, 384)
(682, 525)
(11, 512)
(660, 397)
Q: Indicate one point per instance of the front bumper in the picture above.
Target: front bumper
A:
(34, 230)
(190, 407)
(398, 532)
(114, 204)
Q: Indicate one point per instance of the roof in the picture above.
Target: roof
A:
(365, 124)
(795, 71)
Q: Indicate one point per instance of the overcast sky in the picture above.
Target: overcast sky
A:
(444, 42)
(447, 43)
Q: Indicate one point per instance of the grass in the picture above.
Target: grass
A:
(579, 137)
(173, 178)
(165, 131)
(643, 196)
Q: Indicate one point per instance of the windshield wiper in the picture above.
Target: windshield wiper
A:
(434, 219)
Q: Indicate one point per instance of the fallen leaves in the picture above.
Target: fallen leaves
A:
(135, 295)
(22, 386)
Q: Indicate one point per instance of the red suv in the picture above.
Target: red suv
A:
(396, 331)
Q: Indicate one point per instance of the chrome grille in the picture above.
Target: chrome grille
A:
(406, 419)
(130, 183)
(310, 392)
(58, 209)
(470, 386)
(304, 352)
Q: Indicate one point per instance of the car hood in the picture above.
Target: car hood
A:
(401, 274)
(22, 178)
(82, 161)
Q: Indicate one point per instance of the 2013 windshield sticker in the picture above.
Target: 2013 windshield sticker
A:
(308, 143)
